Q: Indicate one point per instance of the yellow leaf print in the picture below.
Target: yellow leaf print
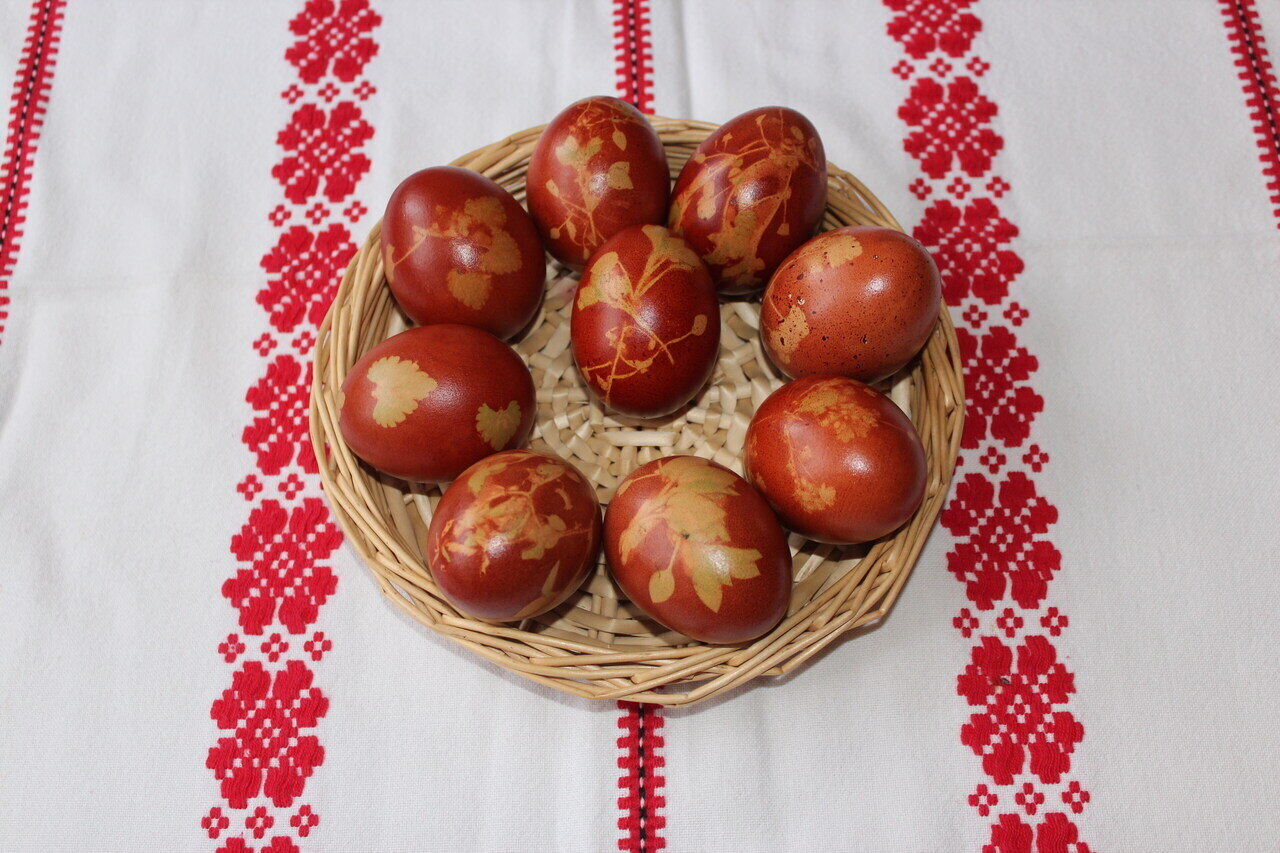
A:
(398, 386)
(620, 140)
(497, 427)
(469, 288)
(688, 508)
(661, 585)
(572, 153)
(619, 176)
(788, 334)
(836, 409)
(841, 250)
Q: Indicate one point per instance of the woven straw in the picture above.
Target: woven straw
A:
(597, 644)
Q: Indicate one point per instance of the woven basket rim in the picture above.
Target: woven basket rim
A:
(379, 517)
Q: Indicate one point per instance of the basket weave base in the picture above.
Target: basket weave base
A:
(597, 644)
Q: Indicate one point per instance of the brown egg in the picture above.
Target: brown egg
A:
(428, 402)
(599, 167)
(646, 323)
(838, 460)
(514, 536)
(753, 191)
(856, 301)
(457, 248)
(694, 546)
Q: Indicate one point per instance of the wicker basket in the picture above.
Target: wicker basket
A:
(597, 644)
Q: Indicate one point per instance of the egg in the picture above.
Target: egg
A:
(429, 402)
(857, 301)
(645, 329)
(457, 248)
(696, 547)
(514, 536)
(751, 193)
(837, 460)
(599, 167)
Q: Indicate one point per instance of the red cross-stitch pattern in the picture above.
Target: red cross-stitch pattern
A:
(923, 26)
(333, 38)
(1019, 723)
(1002, 405)
(303, 265)
(278, 434)
(267, 751)
(969, 245)
(269, 718)
(324, 153)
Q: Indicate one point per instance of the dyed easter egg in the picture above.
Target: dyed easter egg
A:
(514, 535)
(645, 329)
(837, 460)
(696, 547)
(429, 402)
(751, 193)
(856, 301)
(457, 248)
(599, 167)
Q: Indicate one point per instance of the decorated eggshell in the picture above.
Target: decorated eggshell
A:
(751, 193)
(599, 167)
(457, 248)
(856, 301)
(837, 460)
(696, 547)
(645, 329)
(514, 536)
(429, 402)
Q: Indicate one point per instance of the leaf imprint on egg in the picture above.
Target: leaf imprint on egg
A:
(497, 427)
(398, 386)
(689, 508)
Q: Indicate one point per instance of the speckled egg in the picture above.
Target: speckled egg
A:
(457, 248)
(427, 403)
(837, 460)
(855, 301)
(696, 547)
(599, 167)
(751, 193)
(645, 329)
(514, 536)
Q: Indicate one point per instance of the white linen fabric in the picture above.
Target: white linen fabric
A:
(1091, 177)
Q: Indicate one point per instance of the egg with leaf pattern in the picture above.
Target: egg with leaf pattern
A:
(857, 301)
(514, 535)
(425, 404)
(458, 248)
(752, 192)
(696, 547)
(645, 328)
(599, 167)
(837, 460)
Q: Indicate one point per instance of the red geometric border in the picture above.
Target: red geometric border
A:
(268, 745)
(30, 99)
(1020, 728)
(1244, 31)
(633, 50)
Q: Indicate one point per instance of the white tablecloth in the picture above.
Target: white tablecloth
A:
(191, 658)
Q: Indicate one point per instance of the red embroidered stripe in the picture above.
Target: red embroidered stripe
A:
(268, 745)
(642, 802)
(27, 107)
(633, 47)
(1020, 726)
(1244, 31)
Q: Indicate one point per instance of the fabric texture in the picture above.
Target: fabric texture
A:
(191, 658)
